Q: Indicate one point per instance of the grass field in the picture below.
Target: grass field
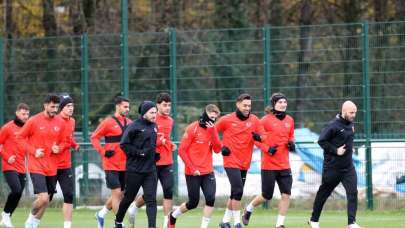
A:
(261, 218)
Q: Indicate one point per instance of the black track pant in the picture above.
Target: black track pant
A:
(330, 179)
(133, 181)
(16, 182)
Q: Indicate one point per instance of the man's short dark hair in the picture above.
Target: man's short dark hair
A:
(52, 98)
(243, 96)
(163, 97)
(22, 106)
(119, 99)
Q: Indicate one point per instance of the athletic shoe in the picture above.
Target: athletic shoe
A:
(100, 220)
(245, 217)
(6, 221)
(282, 226)
(313, 224)
(225, 225)
(354, 225)
(172, 221)
(28, 225)
(238, 225)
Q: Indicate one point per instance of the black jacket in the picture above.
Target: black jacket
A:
(337, 133)
(139, 144)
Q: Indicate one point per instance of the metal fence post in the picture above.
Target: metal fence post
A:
(2, 82)
(124, 49)
(266, 65)
(85, 109)
(367, 115)
(173, 93)
(2, 91)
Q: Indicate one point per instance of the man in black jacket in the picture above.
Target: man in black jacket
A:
(336, 140)
(139, 144)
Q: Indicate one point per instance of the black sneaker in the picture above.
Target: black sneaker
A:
(225, 225)
(245, 217)
(117, 225)
(172, 221)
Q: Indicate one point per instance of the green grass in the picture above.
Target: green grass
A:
(261, 218)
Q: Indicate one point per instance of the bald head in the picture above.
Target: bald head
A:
(349, 110)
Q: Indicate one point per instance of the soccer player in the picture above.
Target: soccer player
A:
(336, 140)
(164, 148)
(241, 130)
(111, 129)
(139, 144)
(64, 174)
(13, 164)
(199, 141)
(42, 136)
(275, 165)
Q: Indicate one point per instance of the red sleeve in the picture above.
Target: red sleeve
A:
(65, 138)
(216, 142)
(263, 135)
(291, 135)
(97, 134)
(23, 135)
(185, 143)
(221, 124)
(3, 138)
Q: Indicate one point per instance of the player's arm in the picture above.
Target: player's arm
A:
(22, 137)
(325, 137)
(216, 142)
(128, 142)
(100, 132)
(185, 143)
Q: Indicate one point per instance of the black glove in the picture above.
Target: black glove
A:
(291, 146)
(225, 151)
(157, 157)
(256, 137)
(109, 153)
(272, 150)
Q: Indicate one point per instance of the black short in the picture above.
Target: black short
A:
(270, 177)
(66, 182)
(16, 181)
(115, 179)
(207, 184)
(166, 178)
(43, 184)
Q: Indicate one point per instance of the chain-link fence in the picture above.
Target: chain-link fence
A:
(317, 67)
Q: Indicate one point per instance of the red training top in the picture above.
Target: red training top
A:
(8, 140)
(164, 125)
(237, 136)
(112, 132)
(196, 148)
(279, 133)
(42, 132)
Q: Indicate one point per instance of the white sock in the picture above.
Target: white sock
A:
(133, 209)
(67, 224)
(250, 207)
(204, 222)
(314, 224)
(280, 220)
(35, 222)
(227, 216)
(102, 213)
(236, 217)
(176, 213)
(165, 221)
(30, 218)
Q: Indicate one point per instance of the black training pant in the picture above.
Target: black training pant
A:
(208, 186)
(133, 181)
(330, 179)
(16, 182)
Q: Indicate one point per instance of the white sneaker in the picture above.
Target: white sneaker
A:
(6, 220)
(313, 224)
(354, 225)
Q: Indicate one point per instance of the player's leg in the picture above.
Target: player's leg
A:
(350, 184)
(284, 182)
(208, 187)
